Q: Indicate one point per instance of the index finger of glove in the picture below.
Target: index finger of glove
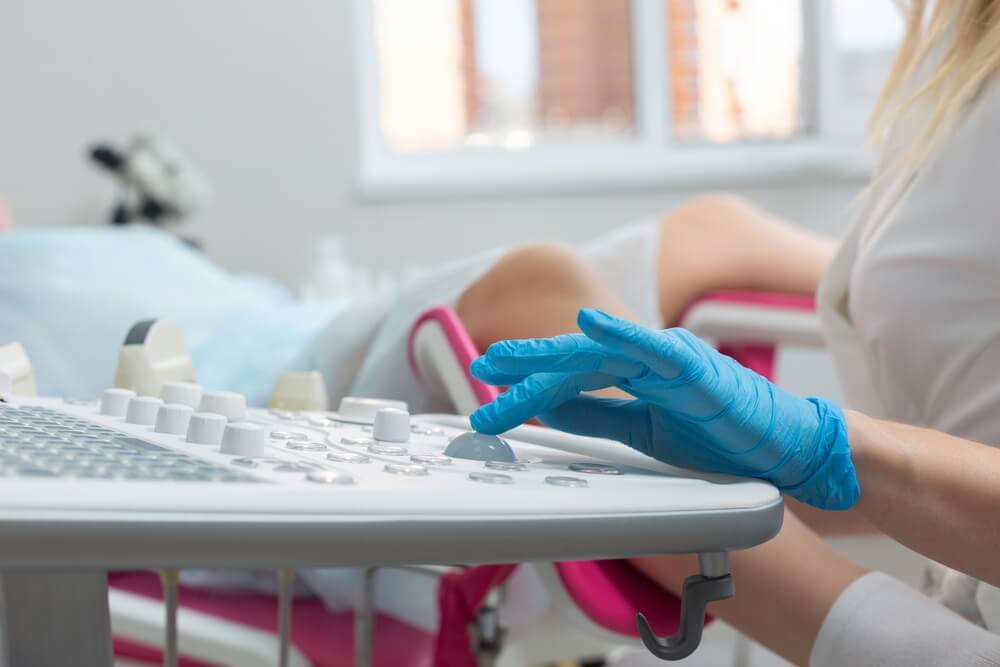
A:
(534, 395)
(570, 353)
(665, 353)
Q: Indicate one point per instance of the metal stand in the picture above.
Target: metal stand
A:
(489, 632)
(54, 619)
(364, 611)
(714, 583)
(364, 620)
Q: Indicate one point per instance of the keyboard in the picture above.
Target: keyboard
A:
(43, 442)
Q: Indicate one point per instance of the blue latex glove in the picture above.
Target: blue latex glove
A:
(694, 407)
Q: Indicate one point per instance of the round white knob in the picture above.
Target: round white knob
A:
(363, 410)
(392, 425)
(299, 390)
(185, 393)
(142, 410)
(229, 404)
(173, 418)
(114, 402)
(245, 439)
(206, 428)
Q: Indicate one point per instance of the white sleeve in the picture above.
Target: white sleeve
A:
(879, 621)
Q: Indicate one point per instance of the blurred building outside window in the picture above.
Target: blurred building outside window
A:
(667, 78)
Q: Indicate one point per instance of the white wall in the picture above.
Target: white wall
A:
(260, 93)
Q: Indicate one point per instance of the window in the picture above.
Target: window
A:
(507, 73)
(865, 38)
(567, 89)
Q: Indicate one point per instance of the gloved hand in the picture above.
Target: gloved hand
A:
(694, 407)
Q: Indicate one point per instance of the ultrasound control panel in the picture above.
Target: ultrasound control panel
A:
(367, 482)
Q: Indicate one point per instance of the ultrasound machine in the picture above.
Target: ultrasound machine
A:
(158, 474)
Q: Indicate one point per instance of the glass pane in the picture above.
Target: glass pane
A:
(866, 35)
(507, 73)
(734, 68)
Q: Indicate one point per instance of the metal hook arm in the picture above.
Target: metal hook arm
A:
(698, 591)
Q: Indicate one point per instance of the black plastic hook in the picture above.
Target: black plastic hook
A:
(699, 590)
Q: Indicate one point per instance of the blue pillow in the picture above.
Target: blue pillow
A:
(69, 295)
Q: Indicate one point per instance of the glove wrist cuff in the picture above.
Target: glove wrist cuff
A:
(834, 484)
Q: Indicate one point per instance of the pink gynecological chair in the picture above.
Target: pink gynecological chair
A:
(602, 597)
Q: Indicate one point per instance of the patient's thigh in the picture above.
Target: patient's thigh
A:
(533, 291)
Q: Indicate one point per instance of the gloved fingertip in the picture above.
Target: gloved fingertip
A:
(594, 316)
(479, 368)
(501, 349)
(483, 423)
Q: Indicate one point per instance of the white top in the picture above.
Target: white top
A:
(911, 309)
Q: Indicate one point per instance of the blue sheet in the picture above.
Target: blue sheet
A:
(69, 295)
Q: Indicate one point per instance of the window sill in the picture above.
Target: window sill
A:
(610, 168)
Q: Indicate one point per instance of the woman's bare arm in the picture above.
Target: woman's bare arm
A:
(935, 493)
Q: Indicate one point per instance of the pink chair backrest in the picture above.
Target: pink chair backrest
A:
(759, 357)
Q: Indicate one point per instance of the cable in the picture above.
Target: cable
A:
(168, 579)
(286, 579)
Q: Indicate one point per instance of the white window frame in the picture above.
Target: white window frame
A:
(643, 161)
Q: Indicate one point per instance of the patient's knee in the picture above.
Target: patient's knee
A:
(533, 290)
(536, 268)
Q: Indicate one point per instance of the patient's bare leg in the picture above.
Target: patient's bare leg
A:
(713, 242)
(720, 241)
(533, 291)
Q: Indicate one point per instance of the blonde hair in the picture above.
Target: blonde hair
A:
(960, 41)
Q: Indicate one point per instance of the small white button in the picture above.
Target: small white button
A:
(288, 435)
(491, 478)
(557, 480)
(420, 429)
(363, 442)
(114, 402)
(362, 410)
(431, 459)
(299, 446)
(229, 404)
(142, 410)
(185, 393)
(506, 466)
(329, 477)
(206, 428)
(244, 439)
(408, 470)
(347, 457)
(391, 425)
(173, 418)
(387, 450)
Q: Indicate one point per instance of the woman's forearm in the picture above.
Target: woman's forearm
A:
(935, 493)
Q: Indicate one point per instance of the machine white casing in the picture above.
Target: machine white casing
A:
(16, 375)
(380, 519)
(153, 354)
